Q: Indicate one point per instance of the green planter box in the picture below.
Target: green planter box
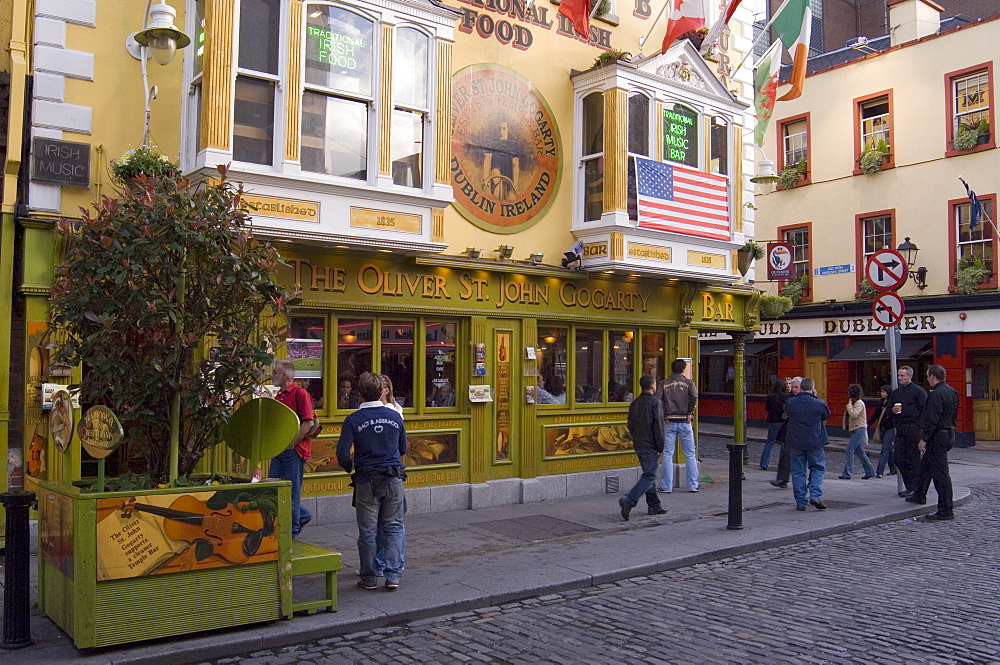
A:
(123, 567)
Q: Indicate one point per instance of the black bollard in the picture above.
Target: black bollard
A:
(17, 579)
(736, 453)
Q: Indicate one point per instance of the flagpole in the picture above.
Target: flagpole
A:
(761, 35)
(642, 40)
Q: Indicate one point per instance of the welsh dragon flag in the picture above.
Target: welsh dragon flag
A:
(765, 90)
(685, 16)
(792, 23)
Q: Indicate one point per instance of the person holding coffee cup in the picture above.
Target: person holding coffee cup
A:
(908, 401)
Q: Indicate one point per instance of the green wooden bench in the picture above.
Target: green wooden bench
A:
(309, 559)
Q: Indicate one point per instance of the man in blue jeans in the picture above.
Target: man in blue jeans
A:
(645, 424)
(807, 415)
(378, 437)
(290, 463)
(680, 397)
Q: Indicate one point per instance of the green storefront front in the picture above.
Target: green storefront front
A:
(504, 370)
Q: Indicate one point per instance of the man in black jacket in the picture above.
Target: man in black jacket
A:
(937, 435)
(645, 424)
(907, 406)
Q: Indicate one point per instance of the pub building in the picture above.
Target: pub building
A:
(468, 203)
(841, 343)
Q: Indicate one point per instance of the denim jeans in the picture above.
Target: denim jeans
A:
(772, 438)
(685, 432)
(885, 457)
(856, 446)
(378, 503)
(289, 466)
(380, 548)
(649, 459)
(815, 461)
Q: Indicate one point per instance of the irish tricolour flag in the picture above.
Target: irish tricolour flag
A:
(792, 24)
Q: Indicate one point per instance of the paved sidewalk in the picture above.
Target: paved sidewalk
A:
(470, 559)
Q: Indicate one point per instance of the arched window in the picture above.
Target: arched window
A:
(593, 156)
(638, 124)
(680, 135)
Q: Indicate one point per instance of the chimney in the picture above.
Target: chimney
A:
(913, 19)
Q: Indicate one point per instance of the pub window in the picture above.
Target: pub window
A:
(875, 119)
(439, 367)
(550, 351)
(256, 79)
(338, 100)
(621, 356)
(717, 369)
(593, 156)
(304, 347)
(589, 370)
(975, 244)
(795, 143)
(397, 356)
(652, 355)
(409, 116)
(680, 135)
(799, 240)
(719, 136)
(971, 105)
(354, 357)
(877, 234)
(638, 124)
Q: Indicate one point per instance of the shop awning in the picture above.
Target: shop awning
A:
(874, 349)
(751, 349)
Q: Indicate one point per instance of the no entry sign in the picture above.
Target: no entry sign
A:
(886, 270)
(888, 309)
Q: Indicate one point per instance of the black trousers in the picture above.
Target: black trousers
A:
(934, 467)
(906, 453)
(784, 463)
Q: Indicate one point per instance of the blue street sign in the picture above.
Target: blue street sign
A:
(834, 270)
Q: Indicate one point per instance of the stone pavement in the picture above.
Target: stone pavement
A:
(472, 559)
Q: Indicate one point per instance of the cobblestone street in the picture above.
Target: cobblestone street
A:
(904, 592)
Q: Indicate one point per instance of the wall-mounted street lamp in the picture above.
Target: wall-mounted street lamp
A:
(536, 258)
(504, 252)
(158, 39)
(909, 251)
(473, 253)
(765, 173)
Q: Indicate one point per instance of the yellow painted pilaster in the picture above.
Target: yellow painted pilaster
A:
(217, 101)
(385, 116)
(437, 225)
(531, 453)
(293, 91)
(617, 247)
(658, 131)
(737, 183)
(442, 130)
(615, 150)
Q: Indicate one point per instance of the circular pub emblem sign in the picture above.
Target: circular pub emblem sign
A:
(100, 432)
(505, 149)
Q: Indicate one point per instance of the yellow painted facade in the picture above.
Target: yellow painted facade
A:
(386, 243)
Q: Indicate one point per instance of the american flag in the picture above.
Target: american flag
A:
(682, 200)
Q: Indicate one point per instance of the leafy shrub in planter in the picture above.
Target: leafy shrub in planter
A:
(152, 280)
(772, 307)
(971, 275)
(868, 292)
(754, 248)
(794, 290)
(871, 158)
(790, 175)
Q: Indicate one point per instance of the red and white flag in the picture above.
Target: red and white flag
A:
(682, 200)
(717, 27)
(685, 16)
(577, 11)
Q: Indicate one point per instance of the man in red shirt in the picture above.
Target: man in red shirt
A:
(290, 463)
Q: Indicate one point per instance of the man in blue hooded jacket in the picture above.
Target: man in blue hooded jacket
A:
(806, 435)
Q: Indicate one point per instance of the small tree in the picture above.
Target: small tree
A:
(164, 294)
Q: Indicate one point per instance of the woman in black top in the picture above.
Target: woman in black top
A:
(882, 419)
(775, 406)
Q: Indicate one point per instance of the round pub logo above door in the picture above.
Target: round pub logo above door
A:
(505, 149)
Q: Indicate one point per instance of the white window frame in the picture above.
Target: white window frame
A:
(982, 79)
(876, 127)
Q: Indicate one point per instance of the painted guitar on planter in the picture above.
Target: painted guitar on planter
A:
(230, 533)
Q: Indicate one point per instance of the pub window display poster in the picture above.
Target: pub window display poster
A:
(165, 533)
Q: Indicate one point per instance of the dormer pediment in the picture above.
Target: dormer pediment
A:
(684, 69)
